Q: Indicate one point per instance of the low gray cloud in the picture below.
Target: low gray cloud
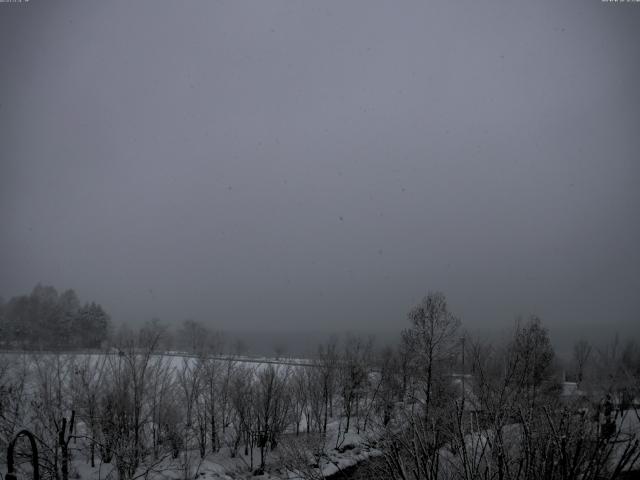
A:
(321, 165)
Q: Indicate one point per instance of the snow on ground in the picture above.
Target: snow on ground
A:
(351, 447)
(220, 465)
(215, 466)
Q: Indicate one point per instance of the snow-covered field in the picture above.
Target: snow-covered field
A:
(293, 457)
(339, 450)
(220, 465)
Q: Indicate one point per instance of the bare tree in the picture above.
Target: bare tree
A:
(190, 381)
(387, 388)
(271, 407)
(299, 401)
(242, 397)
(126, 410)
(354, 376)
(412, 440)
(327, 365)
(162, 386)
(431, 340)
(14, 372)
(317, 385)
(211, 372)
(581, 355)
(195, 337)
(88, 382)
(51, 406)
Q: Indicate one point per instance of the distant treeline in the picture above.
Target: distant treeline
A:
(46, 319)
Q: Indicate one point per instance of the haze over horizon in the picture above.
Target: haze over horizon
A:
(296, 166)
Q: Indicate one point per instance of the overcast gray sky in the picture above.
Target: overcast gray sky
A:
(322, 165)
